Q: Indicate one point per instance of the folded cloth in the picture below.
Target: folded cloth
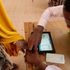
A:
(52, 67)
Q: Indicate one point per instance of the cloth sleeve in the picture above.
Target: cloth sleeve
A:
(54, 11)
(52, 67)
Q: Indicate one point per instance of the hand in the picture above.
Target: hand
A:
(22, 44)
(33, 59)
(35, 38)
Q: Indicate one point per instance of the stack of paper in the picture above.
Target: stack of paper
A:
(55, 58)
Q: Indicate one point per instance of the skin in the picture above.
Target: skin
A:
(22, 44)
(33, 58)
(35, 38)
(67, 17)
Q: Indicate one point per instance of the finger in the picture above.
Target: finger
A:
(30, 43)
(36, 46)
(39, 41)
(31, 40)
(36, 49)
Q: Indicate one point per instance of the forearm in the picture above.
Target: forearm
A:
(39, 29)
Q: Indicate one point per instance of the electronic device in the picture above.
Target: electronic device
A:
(46, 44)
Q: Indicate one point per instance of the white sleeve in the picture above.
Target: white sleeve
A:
(49, 12)
(52, 67)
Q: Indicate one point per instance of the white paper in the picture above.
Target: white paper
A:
(55, 58)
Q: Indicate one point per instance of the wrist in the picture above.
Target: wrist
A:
(39, 29)
(19, 43)
(41, 65)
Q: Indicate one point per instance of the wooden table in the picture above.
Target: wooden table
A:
(61, 40)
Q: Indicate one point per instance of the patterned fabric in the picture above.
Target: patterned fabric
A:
(8, 34)
(5, 62)
(11, 49)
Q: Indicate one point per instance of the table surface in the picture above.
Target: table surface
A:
(61, 39)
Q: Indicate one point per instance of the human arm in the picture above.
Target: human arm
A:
(33, 59)
(35, 38)
(55, 11)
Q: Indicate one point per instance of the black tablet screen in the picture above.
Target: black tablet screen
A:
(45, 44)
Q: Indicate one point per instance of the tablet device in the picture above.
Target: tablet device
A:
(46, 44)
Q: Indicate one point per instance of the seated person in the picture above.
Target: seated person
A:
(10, 40)
(55, 11)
